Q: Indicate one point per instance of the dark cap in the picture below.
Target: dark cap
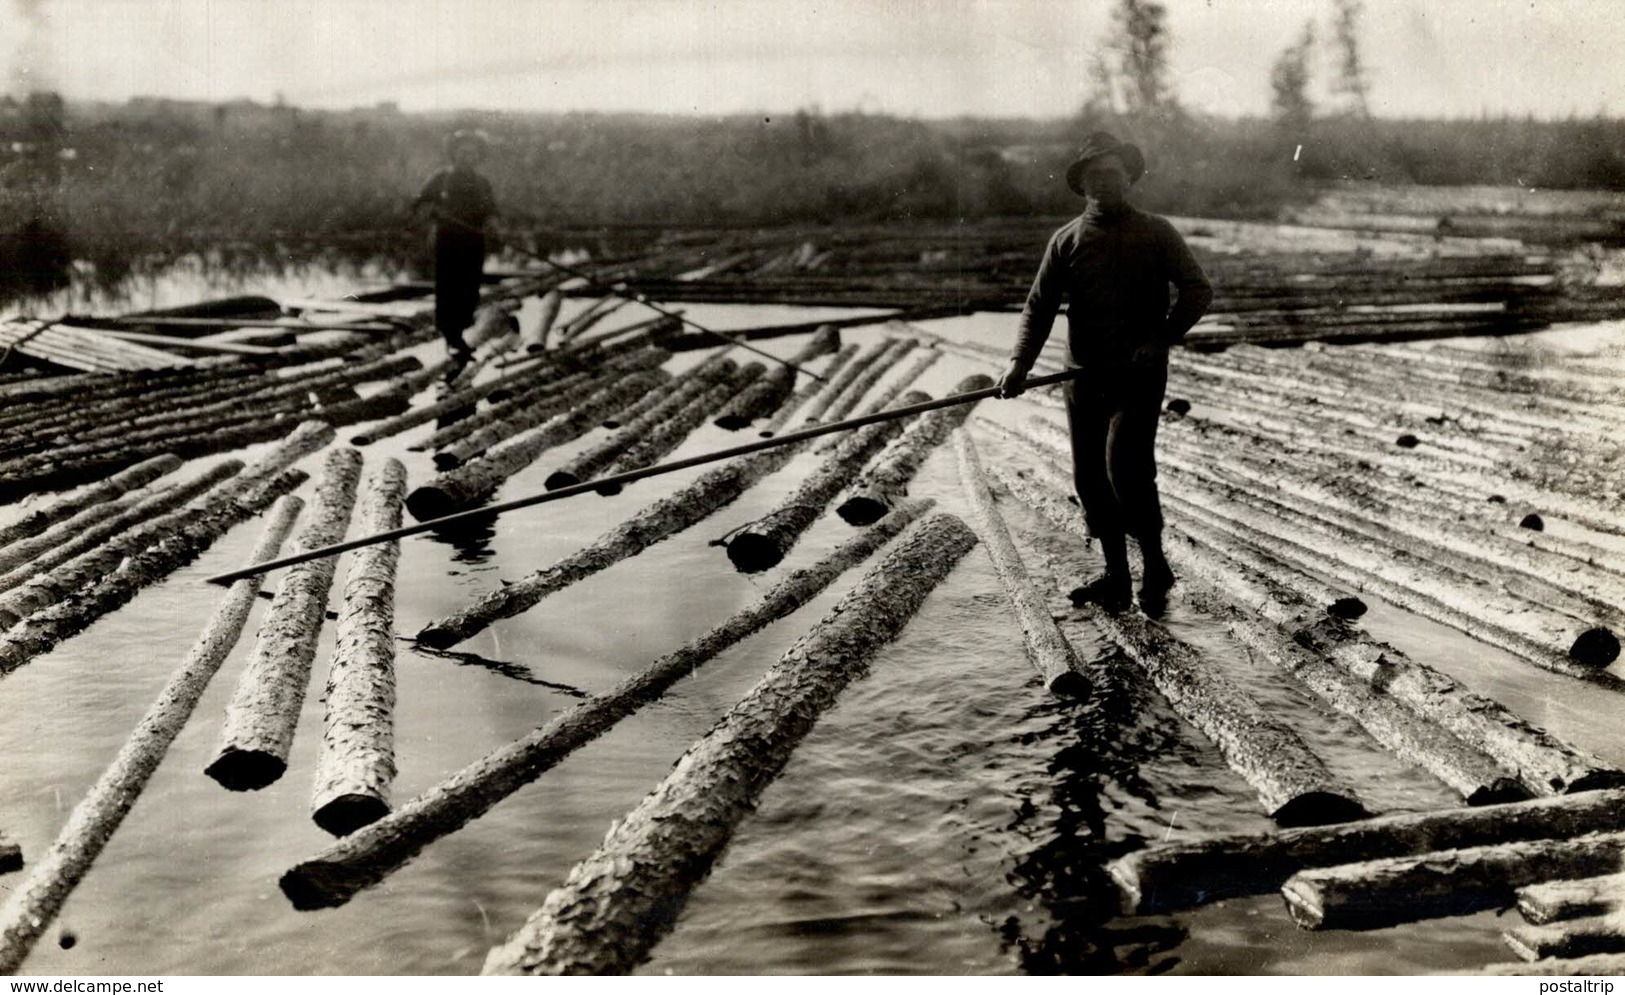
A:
(1101, 143)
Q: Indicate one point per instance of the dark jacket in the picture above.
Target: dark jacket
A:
(1114, 271)
(462, 195)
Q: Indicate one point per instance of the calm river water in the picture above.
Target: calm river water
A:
(946, 816)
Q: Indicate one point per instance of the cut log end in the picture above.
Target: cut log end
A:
(560, 478)
(751, 553)
(313, 885)
(608, 490)
(1502, 789)
(347, 813)
(246, 770)
(1071, 684)
(1347, 609)
(861, 511)
(1595, 648)
(1303, 904)
(437, 637)
(446, 460)
(732, 422)
(428, 502)
(1319, 808)
(11, 858)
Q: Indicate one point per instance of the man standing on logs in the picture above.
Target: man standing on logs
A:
(1114, 264)
(460, 202)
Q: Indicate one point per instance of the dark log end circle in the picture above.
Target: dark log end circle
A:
(1319, 808)
(1595, 648)
(499, 395)
(766, 433)
(751, 553)
(1533, 522)
(67, 939)
(1407, 441)
(1496, 499)
(1179, 406)
(608, 490)
(437, 637)
(1348, 609)
(313, 885)
(1071, 685)
(560, 478)
(1503, 789)
(862, 511)
(347, 813)
(732, 422)
(611, 423)
(246, 770)
(428, 502)
(446, 460)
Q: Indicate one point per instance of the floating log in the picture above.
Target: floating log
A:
(671, 397)
(534, 338)
(264, 710)
(842, 406)
(1377, 893)
(1551, 901)
(1605, 965)
(11, 856)
(179, 538)
(1047, 649)
(56, 573)
(1293, 784)
(555, 395)
(878, 487)
(776, 331)
(837, 386)
(660, 395)
(764, 543)
(62, 509)
(336, 874)
(14, 559)
(669, 434)
(33, 905)
(808, 390)
(668, 516)
(477, 480)
(357, 762)
(619, 902)
(1171, 876)
(1579, 937)
(767, 394)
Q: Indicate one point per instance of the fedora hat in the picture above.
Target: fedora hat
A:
(1101, 143)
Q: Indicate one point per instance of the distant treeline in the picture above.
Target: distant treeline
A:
(157, 177)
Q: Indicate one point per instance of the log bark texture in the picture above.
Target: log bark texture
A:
(1047, 649)
(619, 902)
(809, 390)
(1571, 938)
(878, 487)
(1172, 876)
(264, 710)
(32, 906)
(762, 398)
(837, 386)
(668, 516)
(62, 509)
(356, 765)
(336, 874)
(764, 543)
(669, 434)
(1551, 901)
(1387, 892)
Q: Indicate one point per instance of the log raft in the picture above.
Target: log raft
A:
(356, 765)
(33, 905)
(264, 709)
(1047, 649)
(336, 874)
(62, 509)
(762, 398)
(619, 902)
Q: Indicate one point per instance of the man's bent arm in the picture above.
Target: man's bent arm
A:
(1195, 292)
(1043, 301)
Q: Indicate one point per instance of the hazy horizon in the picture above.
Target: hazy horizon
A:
(962, 58)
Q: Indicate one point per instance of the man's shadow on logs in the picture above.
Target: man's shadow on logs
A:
(1102, 741)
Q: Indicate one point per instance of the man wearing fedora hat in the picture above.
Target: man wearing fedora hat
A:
(1113, 264)
(461, 202)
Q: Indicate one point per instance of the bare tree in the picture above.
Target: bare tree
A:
(1289, 82)
(1351, 81)
(1140, 36)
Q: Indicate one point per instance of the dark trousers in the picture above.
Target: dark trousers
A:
(459, 261)
(1113, 417)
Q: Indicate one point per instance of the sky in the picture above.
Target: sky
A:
(930, 58)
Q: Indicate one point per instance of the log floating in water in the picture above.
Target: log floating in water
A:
(1551, 901)
(31, 907)
(666, 517)
(264, 709)
(837, 387)
(1386, 892)
(478, 479)
(356, 765)
(874, 491)
(762, 544)
(1178, 875)
(176, 539)
(619, 902)
(336, 874)
(1047, 649)
(534, 338)
(808, 390)
(40, 519)
(767, 394)
(848, 399)
(1579, 937)
(671, 432)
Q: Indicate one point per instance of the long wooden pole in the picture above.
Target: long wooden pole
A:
(789, 438)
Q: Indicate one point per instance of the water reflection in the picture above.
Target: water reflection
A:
(469, 538)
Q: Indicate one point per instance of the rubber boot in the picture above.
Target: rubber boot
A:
(1113, 589)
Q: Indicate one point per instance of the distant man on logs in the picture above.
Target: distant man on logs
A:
(460, 202)
(1114, 264)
